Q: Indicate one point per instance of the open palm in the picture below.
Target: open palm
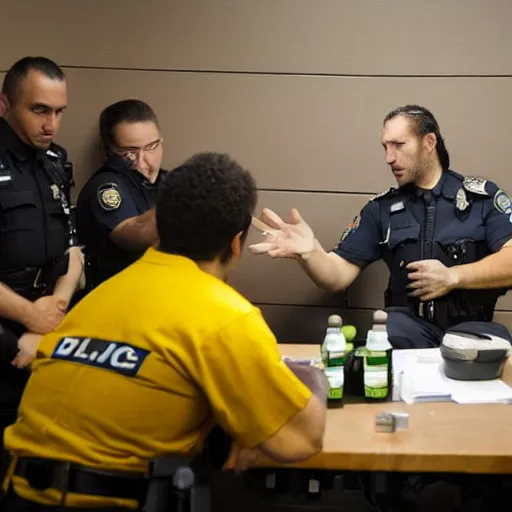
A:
(283, 239)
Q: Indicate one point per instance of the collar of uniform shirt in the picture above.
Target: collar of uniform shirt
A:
(436, 191)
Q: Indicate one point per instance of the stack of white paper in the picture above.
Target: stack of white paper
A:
(419, 377)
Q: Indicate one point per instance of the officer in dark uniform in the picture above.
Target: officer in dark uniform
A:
(39, 267)
(442, 236)
(115, 209)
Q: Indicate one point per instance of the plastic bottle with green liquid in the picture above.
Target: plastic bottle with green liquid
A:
(377, 361)
(334, 350)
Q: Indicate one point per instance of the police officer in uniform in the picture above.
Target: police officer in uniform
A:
(115, 209)
(174, 350)
(445, 238)
(39, 267)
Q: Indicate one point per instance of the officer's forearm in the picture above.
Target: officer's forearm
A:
(68, 283)
(493, 271)
(14, 306)
(137, 233)
(328, 270)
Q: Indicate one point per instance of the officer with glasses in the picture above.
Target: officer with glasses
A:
(115, 209)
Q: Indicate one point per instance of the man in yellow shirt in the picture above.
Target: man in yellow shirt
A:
(150, 360)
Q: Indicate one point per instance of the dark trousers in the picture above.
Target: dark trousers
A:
(12, 381)
(405, 330)
(14, 503)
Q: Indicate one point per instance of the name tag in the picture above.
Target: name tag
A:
(5, 176)
(397, 207)
(110, 355)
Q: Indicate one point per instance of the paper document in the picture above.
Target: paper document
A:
(419, 377)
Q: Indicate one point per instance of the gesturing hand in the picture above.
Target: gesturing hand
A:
(283, 239)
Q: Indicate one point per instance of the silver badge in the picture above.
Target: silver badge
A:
(55, 192)
(461, 200)
(502, 202)
(475, 185)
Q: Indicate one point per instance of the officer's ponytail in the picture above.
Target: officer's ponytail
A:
(424, 122)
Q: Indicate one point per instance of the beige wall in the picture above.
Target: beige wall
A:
(295, 90)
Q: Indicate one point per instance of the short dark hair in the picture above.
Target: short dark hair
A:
(20, 69)
(124, 111)
(202, 205)
(424, 122)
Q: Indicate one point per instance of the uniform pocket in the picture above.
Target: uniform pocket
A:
(457, 251)
(402, 235)
(16, 199)
(18, 208)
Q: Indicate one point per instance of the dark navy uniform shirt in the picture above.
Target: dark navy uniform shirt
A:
(116, 192)
(34, 223)
(486, 219)
(35, 232)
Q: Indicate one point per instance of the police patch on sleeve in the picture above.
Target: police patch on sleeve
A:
(350, 227)
(502, 202)
(109, 197)
(110, 355)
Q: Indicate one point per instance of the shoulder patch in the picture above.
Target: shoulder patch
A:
(350, 227)
(502, 202)
(384, 194)
(109, 196)
(475, 185)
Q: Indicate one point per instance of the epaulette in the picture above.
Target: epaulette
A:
(387, 192)
(475, 185)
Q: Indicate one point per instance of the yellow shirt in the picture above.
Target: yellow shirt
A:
(144, 365)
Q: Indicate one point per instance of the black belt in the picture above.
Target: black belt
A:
(43, 474)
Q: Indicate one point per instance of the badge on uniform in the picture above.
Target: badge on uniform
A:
(350, 227)
(55, 192)
(502, 202)
(461, 200)
(109, 196)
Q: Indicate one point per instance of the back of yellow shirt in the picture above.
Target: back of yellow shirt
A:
(145, 365)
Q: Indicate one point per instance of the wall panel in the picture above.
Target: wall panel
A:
(361, 37)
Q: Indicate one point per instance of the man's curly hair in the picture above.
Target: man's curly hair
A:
(202, 205)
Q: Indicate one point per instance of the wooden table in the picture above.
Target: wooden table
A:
(442, 437)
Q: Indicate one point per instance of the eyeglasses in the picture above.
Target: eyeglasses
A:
(133, 154)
